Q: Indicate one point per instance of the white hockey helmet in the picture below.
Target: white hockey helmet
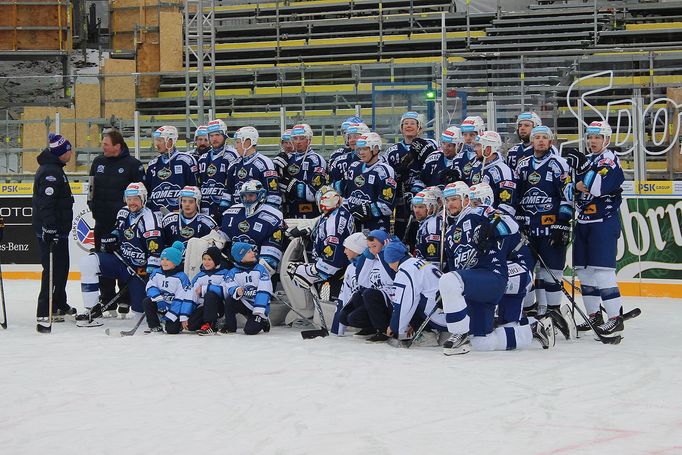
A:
(286, 135)
(357, 128)
(370, 140)
(190, 191)
(302, 129)
(327, 199)
(456, 189)
(136, 189)
(482, 192)
(600, 128)
(529, 117)
(167, 132)
(349, 121)
(542, 130)
(429, 198)
(247, 132)
(252, 187)
(490, 139)
(414, 116)
(217, 126)
(452, 135)
(473, 124)
(201, 130)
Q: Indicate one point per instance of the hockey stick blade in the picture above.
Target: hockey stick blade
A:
(43, 328)
(632, 314)
(310, 334)
(610, 340)
(3, 325)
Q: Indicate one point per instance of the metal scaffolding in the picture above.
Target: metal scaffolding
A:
(199, 50)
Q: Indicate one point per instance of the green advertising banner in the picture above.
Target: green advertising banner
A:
(650, 245)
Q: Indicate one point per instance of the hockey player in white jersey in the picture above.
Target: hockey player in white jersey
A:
(169, 172)
(169, 293)
(414, 296)
(251, 165)
(354, 247)
(188, 222)
(208, 293)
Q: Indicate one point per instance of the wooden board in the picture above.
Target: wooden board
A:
(119, 91)
(148, 62)
(87, 105)
(171, 42)
(34, 135)
(33, 16)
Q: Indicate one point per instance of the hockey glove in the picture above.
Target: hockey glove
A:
(576, 160)
(50, 235)
(295, 189)
(295, 232)
(483, 238)
(559, 235)
(304, 275)
(449, 175)
(281, 161)
(361, 213)
(421, 148)
(109, 244)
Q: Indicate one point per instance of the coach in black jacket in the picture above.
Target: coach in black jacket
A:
(110, 174)
(52, 216)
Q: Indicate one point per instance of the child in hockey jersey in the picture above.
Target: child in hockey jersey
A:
(168, 292)
(248, 288)
(208, 293)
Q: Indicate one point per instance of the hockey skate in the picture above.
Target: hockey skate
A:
(543, 331)
(595, 318)
(562, 319)
(158, 329)
(611, 328)
(123, 310)
(363, 334)
(458, 343)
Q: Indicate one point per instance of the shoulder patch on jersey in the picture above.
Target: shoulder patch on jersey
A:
(153, 233)
(270, 174)
(169, 219)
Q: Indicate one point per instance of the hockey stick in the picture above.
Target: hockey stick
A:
(305, 334)
(2, 293)
(324, 331)
(39, 327)
(127, 333)
(91, 320)
(633, 313)
(443, 229)
(606, 340)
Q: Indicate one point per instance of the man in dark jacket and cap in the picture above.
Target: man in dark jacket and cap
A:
(110, 174)
(52, 216)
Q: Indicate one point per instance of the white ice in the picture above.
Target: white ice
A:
(78, 391)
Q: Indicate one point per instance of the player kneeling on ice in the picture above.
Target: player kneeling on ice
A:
(168, 292)
(354, 245)
(132, 248)
(249, 289)
(208, 293)
(478, 277)
(415, 297)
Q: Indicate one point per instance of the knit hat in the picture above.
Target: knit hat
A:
(174, 253)
(58, 144)
(378, 234)
(239, 250)
(214, 253)
(356, 242)
(394, 251)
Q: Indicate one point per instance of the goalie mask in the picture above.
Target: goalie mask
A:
(328, 199)
(252, 195)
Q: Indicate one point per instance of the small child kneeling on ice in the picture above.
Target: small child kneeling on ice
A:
(169, 292)
(208, 293)
(248, 289)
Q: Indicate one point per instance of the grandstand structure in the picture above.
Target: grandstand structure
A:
(275, 63)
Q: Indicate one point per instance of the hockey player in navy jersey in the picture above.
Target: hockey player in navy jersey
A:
(137, 238)
(525, 122)
(251, 165)
(201, 143)
(188, 222)
(169, 172)
(213, 167)
(255, 222)
(439, 168)
(208, 293)
(169, 292)
(463, 162)
(342, 159)
(414, 298)
(371, 188)
(544, 214)
(248, 290)
(427, 205)
(353, 247)
(331, 229)
(305, 173)
(478, 278)
(598, 200)
(491, 169)
(347, 142)
(281, 161)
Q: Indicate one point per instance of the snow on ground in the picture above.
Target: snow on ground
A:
(80, 391)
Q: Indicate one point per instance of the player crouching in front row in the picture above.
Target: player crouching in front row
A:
(208, 293)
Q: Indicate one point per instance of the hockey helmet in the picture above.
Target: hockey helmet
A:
(217, 126)
(167, 132)
(328, 199)
(247, 132)
(452, 135)
(191, 191)
(542, 130)
(249, 188)
(370, 140)
(413, 116)
(136, 189)
(490, 139)
(473, 124)
(482, 192)
(201, 130)
(529, 117)
(302, 129)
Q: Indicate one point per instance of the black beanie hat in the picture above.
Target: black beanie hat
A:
(214, 253)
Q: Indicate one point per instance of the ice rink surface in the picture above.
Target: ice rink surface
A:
(78, 391)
